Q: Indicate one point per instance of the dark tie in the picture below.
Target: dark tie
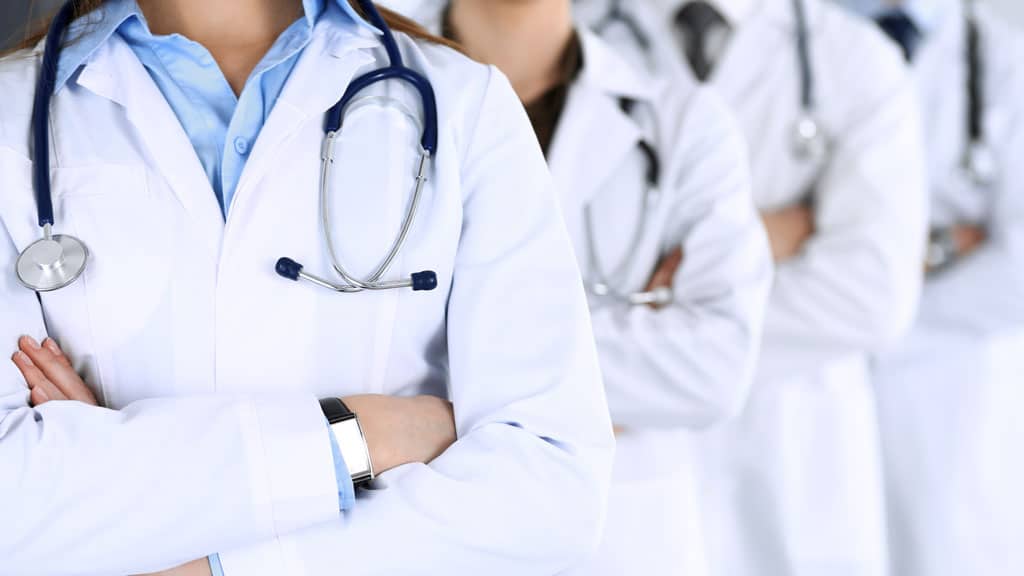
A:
(695, 20)
(901, 28)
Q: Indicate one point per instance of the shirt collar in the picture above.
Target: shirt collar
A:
(87, 34)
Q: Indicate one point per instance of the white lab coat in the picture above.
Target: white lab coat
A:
(688, 366)
(210, 364)
(949, 397)
(794, 486)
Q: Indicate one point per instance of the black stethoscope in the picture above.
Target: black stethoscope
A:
(603, 285)
(810, 140)
(57, 260)
(979, 163)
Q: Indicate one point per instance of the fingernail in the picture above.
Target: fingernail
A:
(32, 343)
(51, 345)
(23, 358)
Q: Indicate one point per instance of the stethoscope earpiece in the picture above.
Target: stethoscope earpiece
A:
(288, 269)
(291, 270)
(424, 281)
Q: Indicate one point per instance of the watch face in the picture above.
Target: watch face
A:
(353, 448)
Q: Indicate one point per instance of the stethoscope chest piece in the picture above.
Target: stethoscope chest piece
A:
(980, 164)
(52, 262)
(809, 142)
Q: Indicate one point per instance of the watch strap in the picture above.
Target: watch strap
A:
(335, 410)
(348, 433)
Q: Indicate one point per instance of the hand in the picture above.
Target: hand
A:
(968, 238)
(398, 430)
(49, 374)
(664, 275)
(199, 567)
(788, 230)
(404, 430)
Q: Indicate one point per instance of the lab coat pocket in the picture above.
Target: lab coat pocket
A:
(17, 200)
(370, 207)
(130, 235)
(65, 312)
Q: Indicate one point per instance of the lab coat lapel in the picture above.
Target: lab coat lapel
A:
(767, 30)
(594, 135)
(115, 73)
(322, 74)
(593, 138)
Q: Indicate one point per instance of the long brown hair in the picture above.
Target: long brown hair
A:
(395, 21)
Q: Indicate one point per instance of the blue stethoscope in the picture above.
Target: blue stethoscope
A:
(57, 260)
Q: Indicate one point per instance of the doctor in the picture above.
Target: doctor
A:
(950, 395)
(646, 170)
(186, 141)
(794, 487)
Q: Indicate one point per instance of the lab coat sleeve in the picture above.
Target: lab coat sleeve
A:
(856, 284)
(690, 364)
(86, 490)
(523, 489)
(984, 292)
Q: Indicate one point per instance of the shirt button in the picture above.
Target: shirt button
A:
(241, 146)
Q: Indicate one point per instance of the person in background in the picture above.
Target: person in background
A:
(647, 170)
(949, 397)
(793, 487)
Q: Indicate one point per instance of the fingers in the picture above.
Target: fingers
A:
(51, 345)
(788, 230)
(42, 389)
(968, 238)
(665, 275)
(56, 368)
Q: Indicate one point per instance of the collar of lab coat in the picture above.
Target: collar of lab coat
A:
(337, 52)
(944, 44)
(594, 132)
(739, 12)
(603, 68)
(89, 33)
(334, 36)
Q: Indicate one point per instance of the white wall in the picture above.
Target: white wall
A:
(1013, 9)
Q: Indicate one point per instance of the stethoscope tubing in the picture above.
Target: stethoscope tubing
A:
(396, 70)
(602, 286)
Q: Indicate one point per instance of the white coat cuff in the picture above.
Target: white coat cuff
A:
(293, 463)
(265, 558)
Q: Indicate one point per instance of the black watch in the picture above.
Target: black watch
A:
(351, 441)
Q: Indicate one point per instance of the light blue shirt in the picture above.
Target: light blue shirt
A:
(221, 126)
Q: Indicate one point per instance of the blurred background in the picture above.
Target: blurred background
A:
(14, 14)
